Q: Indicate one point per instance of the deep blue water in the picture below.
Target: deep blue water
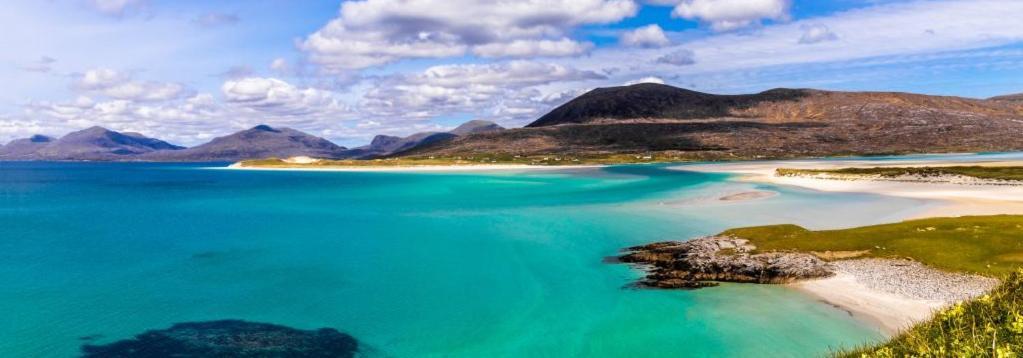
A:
(471, 264)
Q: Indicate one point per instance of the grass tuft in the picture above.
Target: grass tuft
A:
(986, 245)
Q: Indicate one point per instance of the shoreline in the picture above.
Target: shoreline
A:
(951, 199)
(418, 168)
(893, 294)
(888, 311)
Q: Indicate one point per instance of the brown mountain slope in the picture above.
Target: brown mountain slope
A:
(1018, 98)
(777, 123)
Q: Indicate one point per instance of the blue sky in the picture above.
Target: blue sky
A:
(187, 71)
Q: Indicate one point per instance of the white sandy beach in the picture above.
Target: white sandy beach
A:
(951, 199)
(888, 311)
(419, 168)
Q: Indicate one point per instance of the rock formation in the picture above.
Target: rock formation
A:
(702, 262)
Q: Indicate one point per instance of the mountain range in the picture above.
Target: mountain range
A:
(641, 118)
(262, 141)
(778, 123)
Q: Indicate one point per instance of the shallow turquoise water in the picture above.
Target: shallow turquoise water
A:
(482, 264)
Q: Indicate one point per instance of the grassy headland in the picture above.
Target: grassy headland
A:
(989, 326)
(986, 245)
(1010, 173)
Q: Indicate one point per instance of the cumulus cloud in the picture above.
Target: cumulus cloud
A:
(502, 90)
(816, 33)
(374, 32)
(120, 85)
(194, 119)
(646, 36)
(532, 48)
(43, 64)
(648, 79)
(215, 19)
(274, 96)
(725, 15)
(680, 57)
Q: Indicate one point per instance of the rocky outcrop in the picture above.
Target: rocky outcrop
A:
(229, 338)
(704, 261)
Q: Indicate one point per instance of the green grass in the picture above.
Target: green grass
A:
(986, 245)
(980, 172)
(989, 326)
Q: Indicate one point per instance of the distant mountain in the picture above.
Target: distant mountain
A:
(23, 149)
(384, 145)
(476, 126)
(656, 101)
(94, 143)
(1009, 98)
(258, 142)
(779, 123)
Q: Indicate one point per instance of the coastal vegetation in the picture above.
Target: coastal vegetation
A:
(985, 245)
(988, 326)
(1005, 173)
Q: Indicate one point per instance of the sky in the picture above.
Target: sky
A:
(187, 71)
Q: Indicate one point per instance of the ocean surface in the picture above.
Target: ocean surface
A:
(411, 264)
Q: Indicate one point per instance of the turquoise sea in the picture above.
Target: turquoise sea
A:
(411, 264)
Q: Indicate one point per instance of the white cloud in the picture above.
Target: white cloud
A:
(954, 25)
(680, 57)
(119, 85)
(648, 79)
(279, 65)
(502, 90)
(274, 96)
(532, 48)
(375, 32)
(816, 33)
(725, 15)
(646, 36)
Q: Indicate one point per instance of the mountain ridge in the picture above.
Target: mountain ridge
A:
(261, 141)
(778, 123)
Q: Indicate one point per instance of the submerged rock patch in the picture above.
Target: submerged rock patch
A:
(229, 338)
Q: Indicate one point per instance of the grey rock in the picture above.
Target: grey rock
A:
(702, 262)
